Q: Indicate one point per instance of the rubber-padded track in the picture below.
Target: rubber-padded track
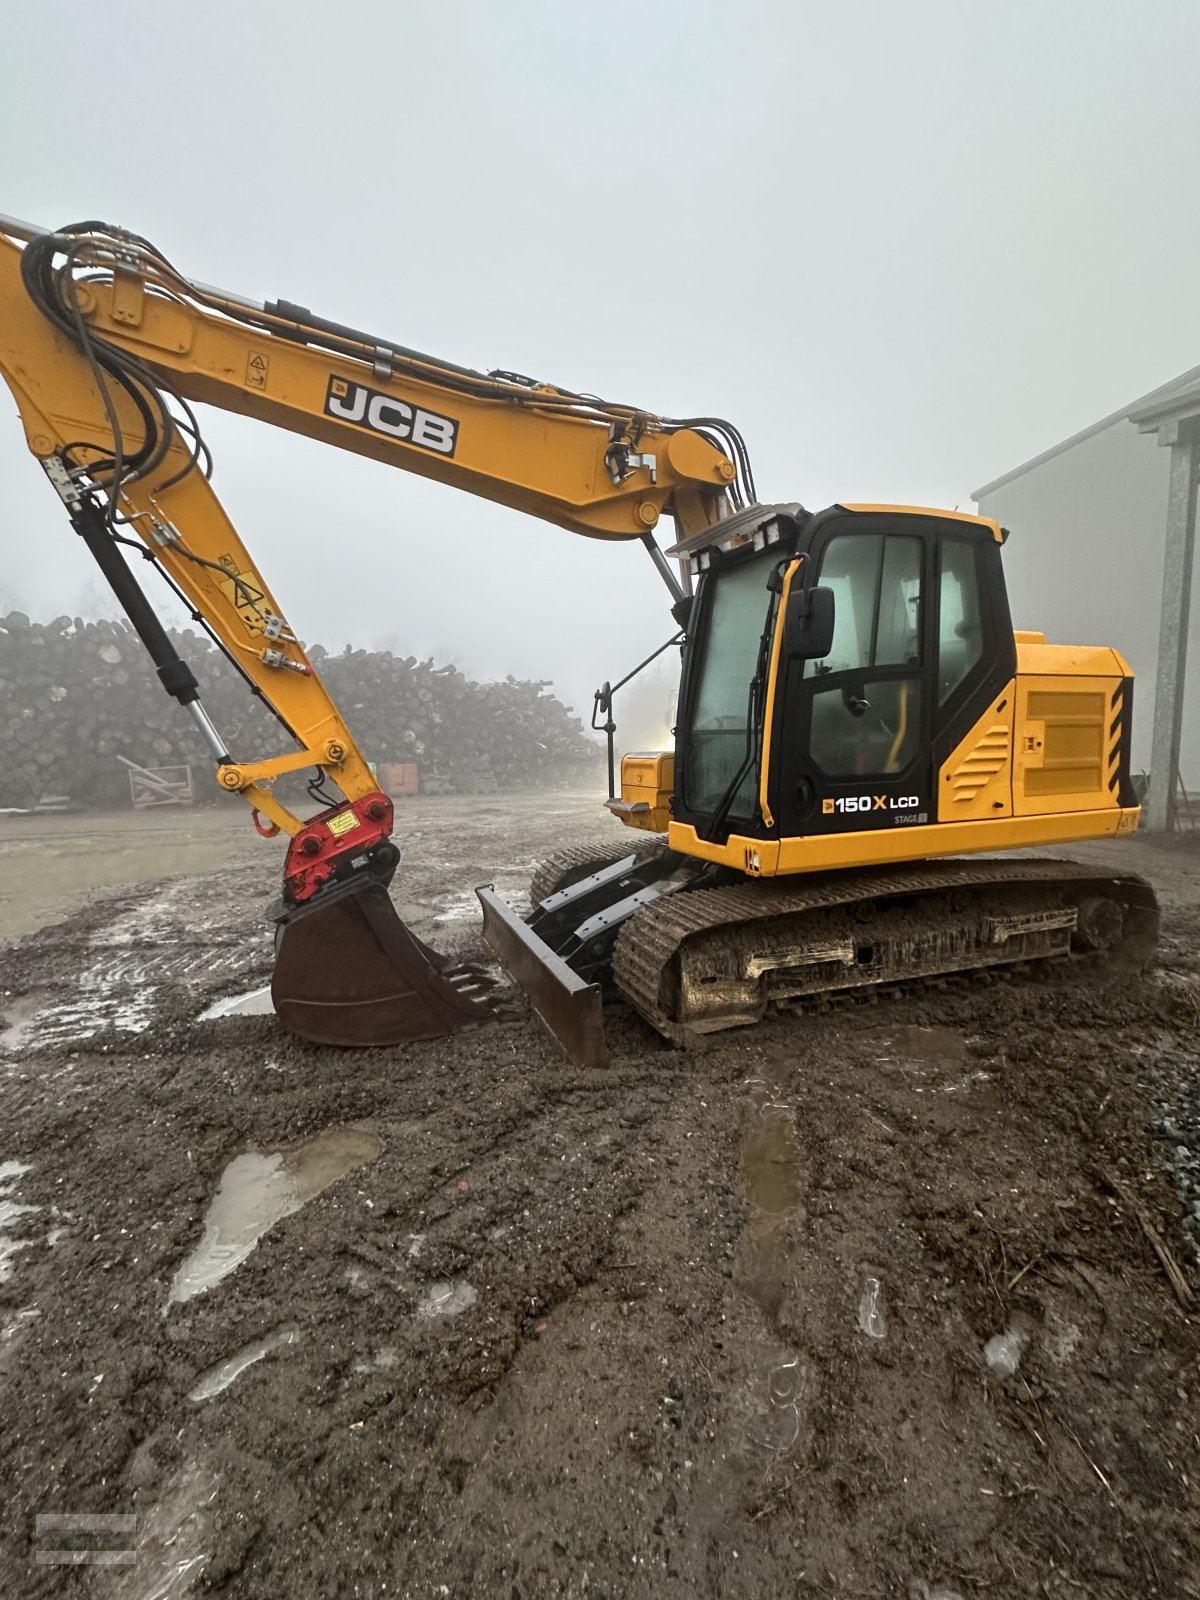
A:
(653, 937)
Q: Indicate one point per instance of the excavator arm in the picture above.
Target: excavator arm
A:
(106, 347)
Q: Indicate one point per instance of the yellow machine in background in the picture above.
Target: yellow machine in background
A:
(853, 700)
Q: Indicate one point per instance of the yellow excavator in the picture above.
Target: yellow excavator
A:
(856, 714)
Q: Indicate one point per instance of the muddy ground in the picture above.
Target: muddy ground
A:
(696, 1325)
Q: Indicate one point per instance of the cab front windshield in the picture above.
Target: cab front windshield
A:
(718, 737)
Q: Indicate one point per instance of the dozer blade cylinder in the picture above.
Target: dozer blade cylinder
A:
(570, 1008)
(348, 972)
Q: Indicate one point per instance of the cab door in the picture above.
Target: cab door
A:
(853, 746)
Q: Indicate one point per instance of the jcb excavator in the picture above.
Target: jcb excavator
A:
(854, 705)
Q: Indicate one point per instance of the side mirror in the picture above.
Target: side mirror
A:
(808, 623)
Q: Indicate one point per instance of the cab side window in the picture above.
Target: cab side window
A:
(876, 583)
(867, 719)
(960, 623)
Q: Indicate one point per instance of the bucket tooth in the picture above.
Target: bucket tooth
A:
(349, 972)
(571, 1008)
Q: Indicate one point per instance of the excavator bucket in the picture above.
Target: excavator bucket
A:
(570, 1007)
(349, 972)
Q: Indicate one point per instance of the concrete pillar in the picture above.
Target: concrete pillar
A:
(1173, 623)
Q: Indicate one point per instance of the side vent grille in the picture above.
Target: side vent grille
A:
(989, 757)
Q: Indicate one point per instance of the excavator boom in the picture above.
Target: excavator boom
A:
(106, 347)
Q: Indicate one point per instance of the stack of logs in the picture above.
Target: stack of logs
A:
(75, 695)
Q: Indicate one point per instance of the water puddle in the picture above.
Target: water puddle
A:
(769, 1401)
(770, 1166)
(257, 1190)
(907, 1042)
(10, 1213)
(174, 1541)
(21, 1025)
(1003, 1351)
(257, 1003)
(121, 972)
(871, 1318)
(447, 1299)
(458, 908)
(218, 1378)
(927, 1053)
(773, 1185)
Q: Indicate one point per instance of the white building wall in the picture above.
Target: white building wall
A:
(1084, 562)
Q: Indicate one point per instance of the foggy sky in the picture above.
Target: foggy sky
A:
(903, 246)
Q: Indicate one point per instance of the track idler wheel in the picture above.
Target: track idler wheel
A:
(349, 972)
(1100, 924)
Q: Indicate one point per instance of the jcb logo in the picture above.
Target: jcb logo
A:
(383, 413)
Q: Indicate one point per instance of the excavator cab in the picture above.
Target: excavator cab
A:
(835, 660)
(853, 701)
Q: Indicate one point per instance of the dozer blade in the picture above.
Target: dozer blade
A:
(348, 972)
(569, 1007)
